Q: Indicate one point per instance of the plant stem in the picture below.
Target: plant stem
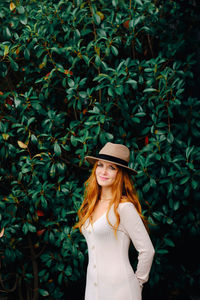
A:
(35, 270)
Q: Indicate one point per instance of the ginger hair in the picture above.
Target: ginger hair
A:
(123, 191)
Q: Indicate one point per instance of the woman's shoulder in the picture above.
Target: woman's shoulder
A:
(127, 210)
(125, 202)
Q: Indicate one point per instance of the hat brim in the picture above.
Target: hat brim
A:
(93, 159)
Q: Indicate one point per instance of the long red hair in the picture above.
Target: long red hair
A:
(123, 191)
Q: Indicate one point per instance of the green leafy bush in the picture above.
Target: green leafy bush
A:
(74, 75)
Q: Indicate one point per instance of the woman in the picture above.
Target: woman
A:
(109, 218)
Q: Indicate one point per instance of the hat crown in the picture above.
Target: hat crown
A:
(116, 150)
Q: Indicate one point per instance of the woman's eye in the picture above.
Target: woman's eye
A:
(101, 165)
(112, 168)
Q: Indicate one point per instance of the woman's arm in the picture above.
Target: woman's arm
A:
(134, 226)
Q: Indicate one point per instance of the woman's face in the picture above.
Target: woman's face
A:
(106, 173)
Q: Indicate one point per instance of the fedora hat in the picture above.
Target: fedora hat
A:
(115, 153)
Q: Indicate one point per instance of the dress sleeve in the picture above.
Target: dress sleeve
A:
(133, 225)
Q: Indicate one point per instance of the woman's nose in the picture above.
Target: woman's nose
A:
(104, 170)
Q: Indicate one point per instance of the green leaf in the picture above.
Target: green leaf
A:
(170, 138)
(114, 50)
(43, 293)
(7, 33)
(97, 19)
(140, 114)
(158, 215)
(97, 60)
(195, 184)
(169, 221)
(42, 198)
(57, 149)
(133, 83)
(20, 9)
(169, 242)
(73, 140)
(152, 182)
(31, 228)
(119, 90)
(139, 2)
(68, 271)
(189, 150)
(13, 64)
(53, 170)
(27, 54)
(71, 82)
(110, 92)
(31, 120)
(86, 59)
(60, 278)
(146, 187)
(115, 3)
(25, 228)
(176, 205)
(184, 180)
(23, 19)
(162, 251)
(6, 50)
(150, 90)
(109, 136)
(83, 94)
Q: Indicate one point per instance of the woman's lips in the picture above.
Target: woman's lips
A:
(103, 178)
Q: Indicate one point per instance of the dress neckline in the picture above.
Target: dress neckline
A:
(99, 218)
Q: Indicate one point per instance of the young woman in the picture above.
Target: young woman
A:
(109, 218)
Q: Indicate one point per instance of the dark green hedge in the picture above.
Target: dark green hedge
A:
(74, 75)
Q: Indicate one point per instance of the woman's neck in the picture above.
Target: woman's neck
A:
(106, 194)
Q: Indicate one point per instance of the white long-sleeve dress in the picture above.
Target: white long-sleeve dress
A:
(109, 273)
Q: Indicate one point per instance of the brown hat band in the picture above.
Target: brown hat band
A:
(113, 159)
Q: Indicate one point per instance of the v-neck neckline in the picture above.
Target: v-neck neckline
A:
(93, 223)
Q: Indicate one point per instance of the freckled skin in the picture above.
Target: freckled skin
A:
(106, 173)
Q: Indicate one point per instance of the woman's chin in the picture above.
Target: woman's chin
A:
(103, 183)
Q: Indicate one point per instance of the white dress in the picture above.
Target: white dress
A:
(109, 273)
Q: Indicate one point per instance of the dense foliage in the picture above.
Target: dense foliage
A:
(74, 75)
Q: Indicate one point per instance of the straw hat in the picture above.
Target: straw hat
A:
(115, 153)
